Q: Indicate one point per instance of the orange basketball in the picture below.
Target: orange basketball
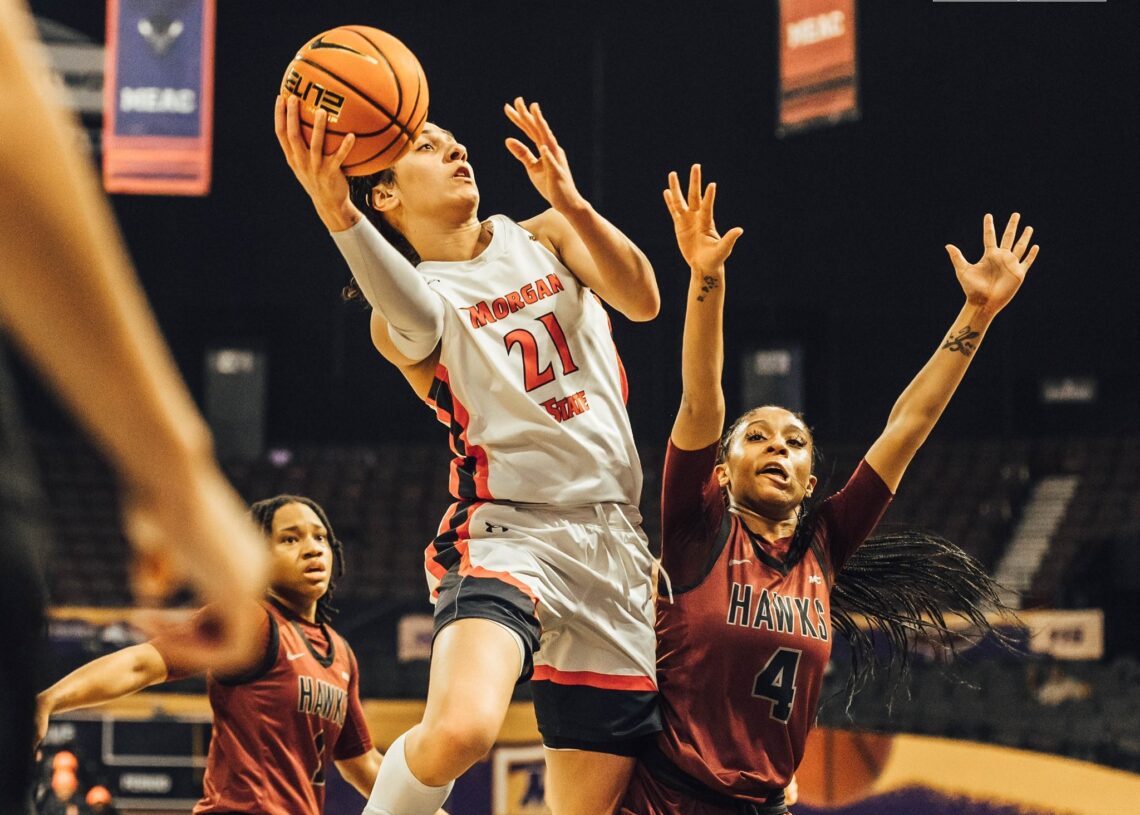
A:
(370, 84)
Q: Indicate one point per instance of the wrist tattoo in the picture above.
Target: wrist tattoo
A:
(708, 283)
(962, 342)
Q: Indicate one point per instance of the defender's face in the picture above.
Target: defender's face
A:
(301, 556)
(768, 464)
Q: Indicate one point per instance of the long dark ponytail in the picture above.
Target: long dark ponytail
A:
(909, 588)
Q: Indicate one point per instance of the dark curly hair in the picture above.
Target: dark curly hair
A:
(263, 512)
(360, 189)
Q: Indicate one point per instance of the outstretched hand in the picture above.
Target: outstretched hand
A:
(993, 281)
(319, 174)
(549, 171)
(701, 245)
(199, 533)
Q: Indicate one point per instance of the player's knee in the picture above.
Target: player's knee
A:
(466, 741)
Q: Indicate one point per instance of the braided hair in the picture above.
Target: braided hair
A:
(906, 586)
(262, 514)
(360, 189)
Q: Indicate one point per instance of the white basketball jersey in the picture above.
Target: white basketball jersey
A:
(529, 380)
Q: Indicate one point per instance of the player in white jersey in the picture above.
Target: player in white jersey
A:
(540, 566)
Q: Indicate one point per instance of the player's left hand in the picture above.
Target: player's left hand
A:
(549, 171)
(993, 281)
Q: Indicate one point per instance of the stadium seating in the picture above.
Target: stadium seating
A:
(385, 503)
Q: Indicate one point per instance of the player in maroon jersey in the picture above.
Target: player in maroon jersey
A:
(279, 723)
(744, 639)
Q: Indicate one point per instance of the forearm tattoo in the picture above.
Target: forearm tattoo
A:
(708, 283)
(962, 342)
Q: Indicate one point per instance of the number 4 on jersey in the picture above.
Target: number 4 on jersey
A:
(776, 682)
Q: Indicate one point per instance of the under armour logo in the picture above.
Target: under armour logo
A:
(814, 578)
(492, 527)
(160, 32)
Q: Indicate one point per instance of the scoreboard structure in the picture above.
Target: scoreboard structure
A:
(148, 764)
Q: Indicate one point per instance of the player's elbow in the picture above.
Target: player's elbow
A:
(644, 307)
(146, 665)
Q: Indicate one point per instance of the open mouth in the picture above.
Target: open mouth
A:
(775, 470)
(463, 172)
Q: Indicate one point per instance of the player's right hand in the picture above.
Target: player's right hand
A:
(320, 175)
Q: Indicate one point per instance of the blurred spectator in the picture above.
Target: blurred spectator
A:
(64, 798)
(99, 801)
(1059, 687)
(64, 760)
(42, 786)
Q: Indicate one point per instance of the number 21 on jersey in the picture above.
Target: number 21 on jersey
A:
(532, 376)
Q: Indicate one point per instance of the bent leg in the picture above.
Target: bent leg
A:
(474, 666)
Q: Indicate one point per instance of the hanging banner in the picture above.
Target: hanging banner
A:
(159, 97)
(1067, 634)
(818, 76)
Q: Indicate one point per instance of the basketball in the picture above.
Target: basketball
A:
(370, 84)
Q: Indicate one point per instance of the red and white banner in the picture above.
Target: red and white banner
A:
(159, 97)
(819, 83)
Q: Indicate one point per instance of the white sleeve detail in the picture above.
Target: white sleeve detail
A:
(394, 288)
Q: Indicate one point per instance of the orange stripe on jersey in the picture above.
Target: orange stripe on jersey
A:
(467, 570)
(461, 445)
(594, 680)
(617, 356)
(456, 534)
(621, 373)
(440, 413)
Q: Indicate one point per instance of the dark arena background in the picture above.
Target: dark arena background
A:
(838, 292)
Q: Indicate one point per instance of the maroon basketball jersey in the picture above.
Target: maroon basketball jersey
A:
(276, 731)
(741, 649)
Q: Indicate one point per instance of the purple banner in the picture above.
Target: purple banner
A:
(159, 96)
(913, 800)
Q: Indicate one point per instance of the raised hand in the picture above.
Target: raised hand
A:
(318, 173)
(993, 281)
(701, 245)
(549, 171)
